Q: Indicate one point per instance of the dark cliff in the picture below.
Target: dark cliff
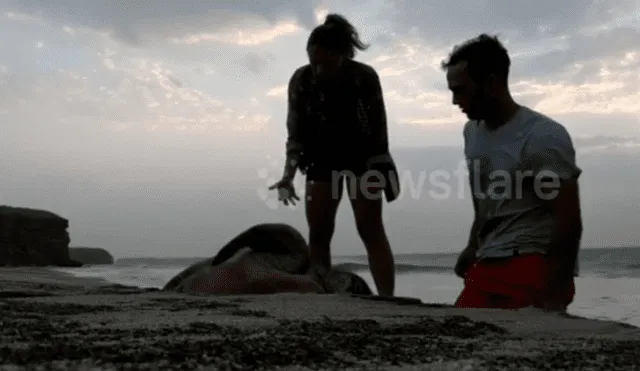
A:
(32, 237)
(90, 255)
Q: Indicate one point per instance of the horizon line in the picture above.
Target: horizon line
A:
(349, 256)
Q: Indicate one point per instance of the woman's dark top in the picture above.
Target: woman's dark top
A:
(340, 125)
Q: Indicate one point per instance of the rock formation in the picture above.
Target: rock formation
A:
(32, 237)
(90, 255)
(279, 248)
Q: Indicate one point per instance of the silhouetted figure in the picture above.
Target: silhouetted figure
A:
(524, 241)
(337, 131)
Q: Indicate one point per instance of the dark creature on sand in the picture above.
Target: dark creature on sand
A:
(266, 258)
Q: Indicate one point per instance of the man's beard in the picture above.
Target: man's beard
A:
(485, 109)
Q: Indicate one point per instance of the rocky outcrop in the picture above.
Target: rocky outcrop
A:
(90, 255)
(32, 237)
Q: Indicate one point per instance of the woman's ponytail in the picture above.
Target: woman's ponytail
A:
(337, 33)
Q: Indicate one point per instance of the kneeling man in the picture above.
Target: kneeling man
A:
(524, 241)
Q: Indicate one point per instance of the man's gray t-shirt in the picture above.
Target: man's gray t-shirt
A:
(503, 165)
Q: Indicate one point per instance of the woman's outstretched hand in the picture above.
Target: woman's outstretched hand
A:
(286, 191)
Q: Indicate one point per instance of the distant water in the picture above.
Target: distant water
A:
(608, 286)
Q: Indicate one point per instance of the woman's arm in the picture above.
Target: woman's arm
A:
(379, 158)
(377, 113)
(294, 126)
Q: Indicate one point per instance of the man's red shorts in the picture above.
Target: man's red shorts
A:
(508, 283)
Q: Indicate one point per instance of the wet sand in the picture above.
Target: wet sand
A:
(56, 321)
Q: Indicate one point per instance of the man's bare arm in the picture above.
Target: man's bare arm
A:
(473, 234)
(375, 106)
(567, 230)
(468, 254)
(553, 162)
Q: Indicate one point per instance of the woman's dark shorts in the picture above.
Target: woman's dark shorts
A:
(359, 181)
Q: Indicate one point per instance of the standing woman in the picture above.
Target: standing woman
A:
(337, 131)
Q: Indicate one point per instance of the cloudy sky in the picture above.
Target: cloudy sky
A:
(155, 126)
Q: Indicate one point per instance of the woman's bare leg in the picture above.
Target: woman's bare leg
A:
(322, 201)
(368, 214)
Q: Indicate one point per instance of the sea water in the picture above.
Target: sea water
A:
(608, 286)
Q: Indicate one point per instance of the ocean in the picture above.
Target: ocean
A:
(608, 286)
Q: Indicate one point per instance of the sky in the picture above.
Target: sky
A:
(155, 127)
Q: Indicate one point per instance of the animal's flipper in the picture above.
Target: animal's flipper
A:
(343, 282)
(270, 238)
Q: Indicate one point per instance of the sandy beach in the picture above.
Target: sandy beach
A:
(53, 320)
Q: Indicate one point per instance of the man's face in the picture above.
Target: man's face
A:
(473, 99)
(325, 64)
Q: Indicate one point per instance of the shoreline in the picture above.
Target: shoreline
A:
(55, 319)
(622, 309)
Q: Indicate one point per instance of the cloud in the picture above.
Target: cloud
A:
(191, 22)
(604, 143)
(126, 93)
(278, 92)
(413, 83)
(241, 36)
(592, 71)
(452, 22)
(581, 54)
(602, 140)
(257, 63)
(568, 57)
(612, 90)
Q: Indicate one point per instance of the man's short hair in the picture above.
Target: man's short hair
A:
(484, 54)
